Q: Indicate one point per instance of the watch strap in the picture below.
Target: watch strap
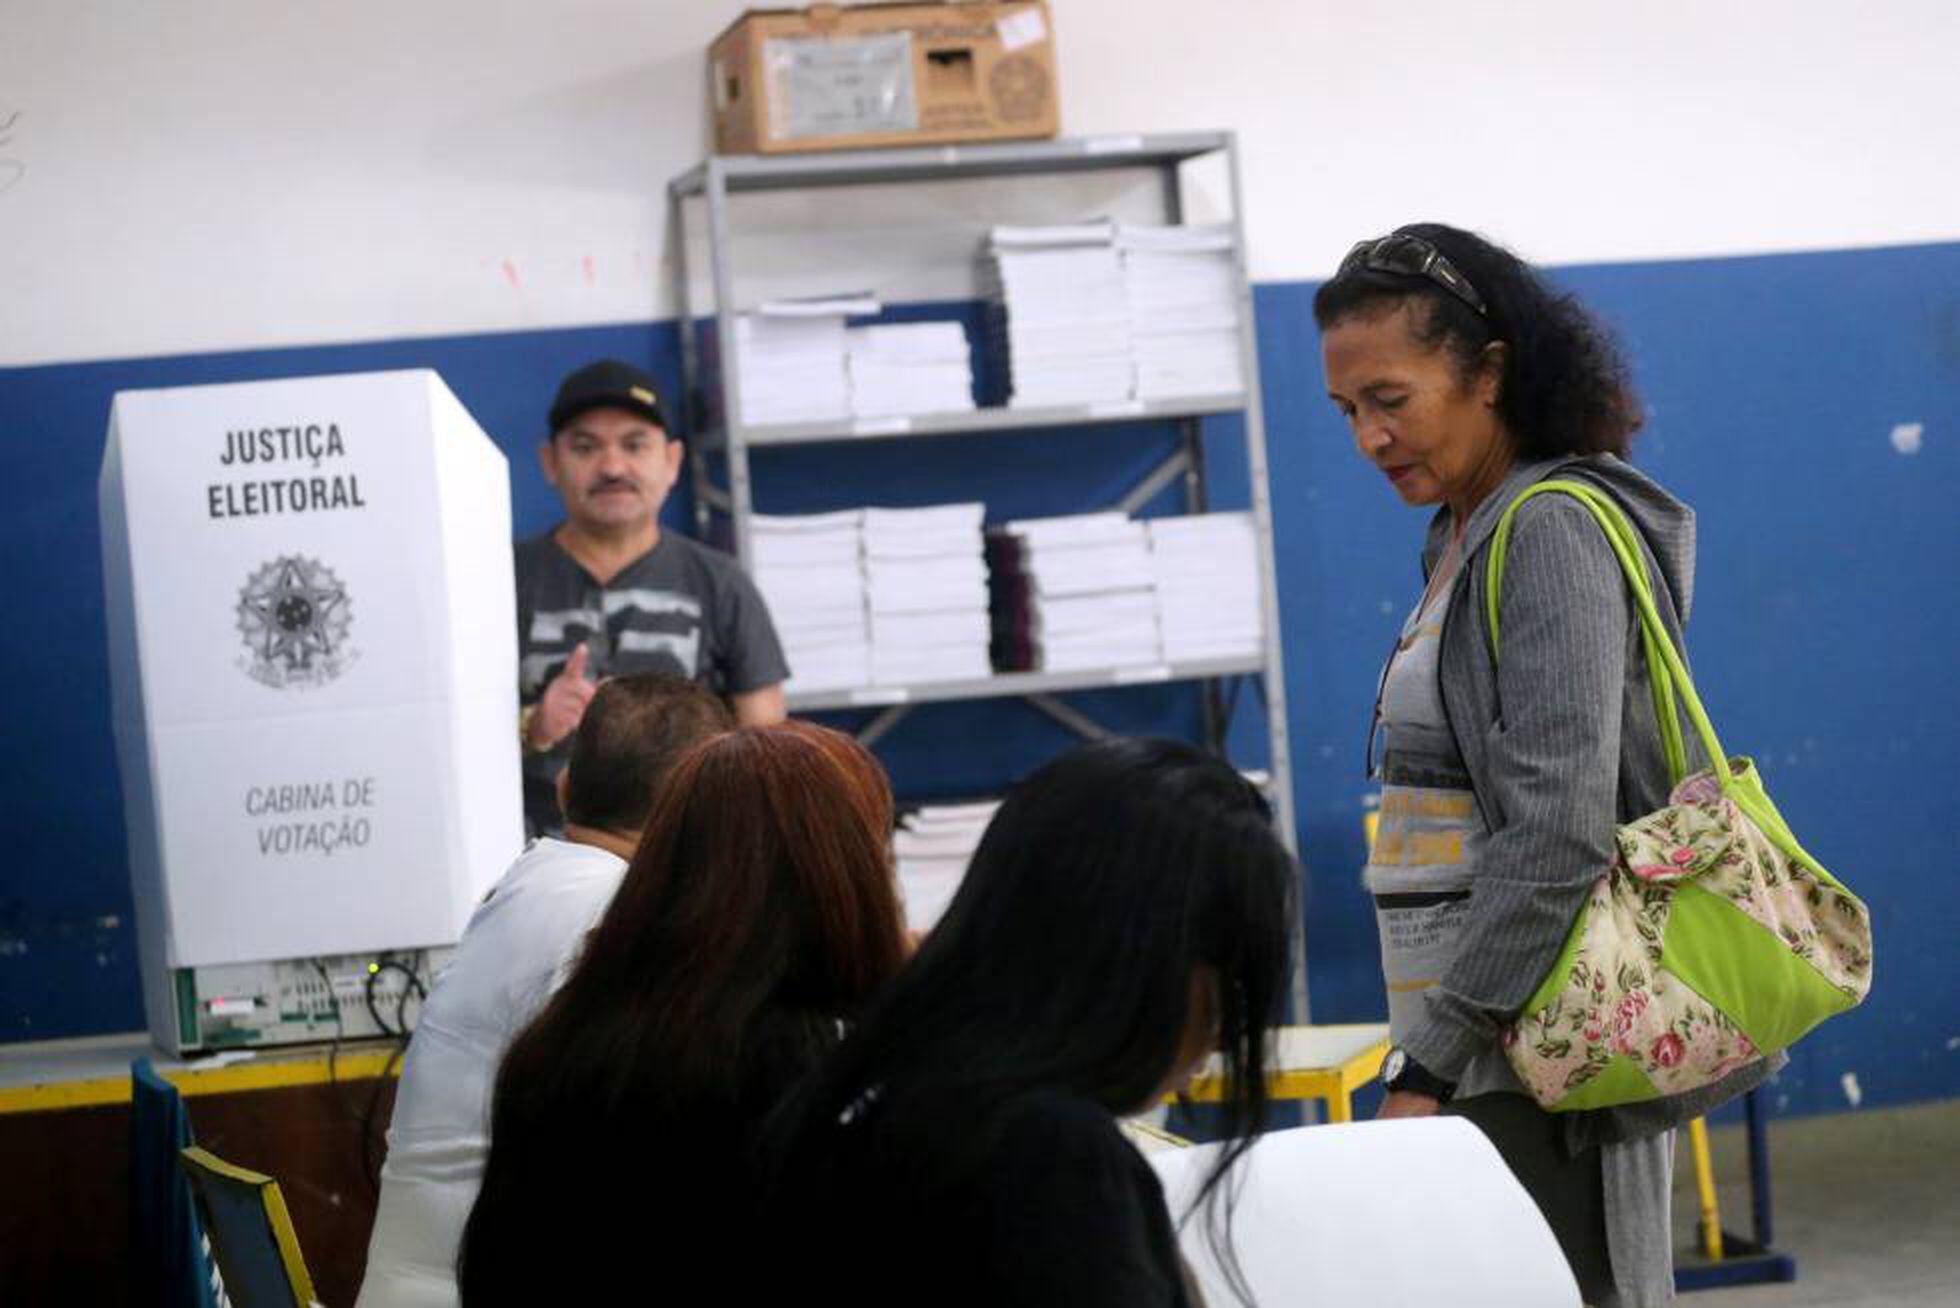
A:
(1417, 1079)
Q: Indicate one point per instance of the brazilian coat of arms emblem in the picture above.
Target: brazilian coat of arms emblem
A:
(294, 615)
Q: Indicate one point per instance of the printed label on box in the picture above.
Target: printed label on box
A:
(1021, 29)
(840, 86)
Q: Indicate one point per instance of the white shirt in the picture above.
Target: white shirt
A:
(517, 949)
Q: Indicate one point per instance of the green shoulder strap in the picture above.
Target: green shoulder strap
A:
(1653, 636)
(1666, 670)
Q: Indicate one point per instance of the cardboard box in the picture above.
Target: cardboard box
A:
(830, 77)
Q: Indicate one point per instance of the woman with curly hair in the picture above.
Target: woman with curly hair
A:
(1466, 378)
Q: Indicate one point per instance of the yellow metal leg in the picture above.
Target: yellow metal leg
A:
(1711, 1210)
(1338, 1107)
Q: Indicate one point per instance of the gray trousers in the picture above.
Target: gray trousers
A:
(1608, 1205)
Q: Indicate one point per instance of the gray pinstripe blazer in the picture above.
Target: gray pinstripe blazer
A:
(1561, 746)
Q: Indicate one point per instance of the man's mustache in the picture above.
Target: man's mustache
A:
(612, 483)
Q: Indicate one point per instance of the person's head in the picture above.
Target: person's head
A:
(1128, 911)
(610, 453)
(758, 913)
(634, 729)
(1141, 892)
(761, 894)
(1451, 358)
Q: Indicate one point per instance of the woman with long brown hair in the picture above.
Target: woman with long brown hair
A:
(758, 914)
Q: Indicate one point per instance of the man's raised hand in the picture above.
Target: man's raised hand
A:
(562, 704)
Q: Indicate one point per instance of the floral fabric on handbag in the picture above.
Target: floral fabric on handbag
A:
(1712, 940)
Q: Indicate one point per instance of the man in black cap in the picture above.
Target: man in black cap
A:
(607, 592)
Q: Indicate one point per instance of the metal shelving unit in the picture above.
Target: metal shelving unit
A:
(980, 420)
(1038, 688)
(718, 178)
(754, 172)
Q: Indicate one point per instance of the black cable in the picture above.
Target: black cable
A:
(339, 1039)
(367, 993)
(412, 984)
(370, 1168)
(413, 979)
(361, 1118)
(339, 1026)
(373, 1140)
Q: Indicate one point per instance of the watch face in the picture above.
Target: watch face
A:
(1392, 1065)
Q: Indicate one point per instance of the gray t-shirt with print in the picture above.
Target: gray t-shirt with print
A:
(680, 608)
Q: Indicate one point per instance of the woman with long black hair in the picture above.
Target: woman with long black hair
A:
(1127, 913)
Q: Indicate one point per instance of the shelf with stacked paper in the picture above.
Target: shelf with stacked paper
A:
(1135, 320)
(1003, 685)
(981, 420)
(936, 840)
(739, 173)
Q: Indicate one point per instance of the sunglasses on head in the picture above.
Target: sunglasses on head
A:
(1412, 256)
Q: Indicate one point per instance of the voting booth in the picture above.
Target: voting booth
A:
(313, 647)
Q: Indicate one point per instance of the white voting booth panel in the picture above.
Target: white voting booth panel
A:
(313, 648)
(1420, 1211)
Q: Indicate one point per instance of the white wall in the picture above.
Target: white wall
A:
(182, 175)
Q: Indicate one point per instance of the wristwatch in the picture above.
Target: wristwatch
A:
(1401, 1072)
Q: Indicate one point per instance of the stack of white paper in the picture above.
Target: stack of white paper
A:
(1074, 592)
(934, 845)
(1206, 572)
(1182, 287)
(901, 369)
(811, 574)
(1061, 313)
(792, 356)
(926, 586)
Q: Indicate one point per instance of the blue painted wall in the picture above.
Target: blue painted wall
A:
(1822, 635)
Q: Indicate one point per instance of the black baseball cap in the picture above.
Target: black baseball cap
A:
(607, 384)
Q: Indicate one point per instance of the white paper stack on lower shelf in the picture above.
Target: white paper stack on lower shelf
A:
(934, 845)
(904, 369)
(810, 571)
(926, 583)
(1206, 573)
(1182, 287)
(1073, 593)
(792, 355)
(1060, 313)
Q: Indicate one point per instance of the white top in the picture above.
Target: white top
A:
(1323, 1215)
(515, 952)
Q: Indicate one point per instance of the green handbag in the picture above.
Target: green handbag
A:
(1712, 939)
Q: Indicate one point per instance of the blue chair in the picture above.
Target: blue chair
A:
(251, 1234)
(169, 1265)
